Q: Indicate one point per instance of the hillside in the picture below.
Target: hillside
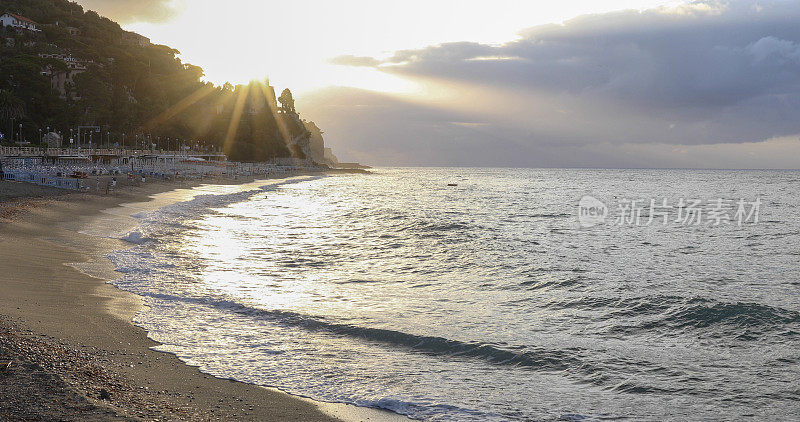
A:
(81, 69)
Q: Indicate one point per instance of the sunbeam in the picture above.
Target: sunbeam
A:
(236, 117)
(273, 108)
(182, 105)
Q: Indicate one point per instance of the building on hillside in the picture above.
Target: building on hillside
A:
(68, 60)
(62, 81)
(132, 38)
(19, 22)
(53, 140)
(73, 31)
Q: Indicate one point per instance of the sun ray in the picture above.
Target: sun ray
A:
(179, 107)
(236, 117)
(273, 108)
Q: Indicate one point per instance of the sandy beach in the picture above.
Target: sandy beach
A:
(74, 353)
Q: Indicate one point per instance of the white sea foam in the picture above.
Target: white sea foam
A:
(136, 237)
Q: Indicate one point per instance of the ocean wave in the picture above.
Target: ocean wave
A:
(631, 387)
(551, 215)
(675, 313)
(539, 358)
(356, 281)
(428, 227)
(426, 410)
(619, 307)
(558, 282)
(156, 233)
(739, 321)
(701, 313)
(525, 357)
(204, 204)
(176, 217)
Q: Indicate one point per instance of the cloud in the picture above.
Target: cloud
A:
(771, 48)
(129, 11)
(658, 57)
(350, 60)
(386, 130)
(702, 73)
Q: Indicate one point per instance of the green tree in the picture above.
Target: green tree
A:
(287, 101)
(11, 108)
(132, 89)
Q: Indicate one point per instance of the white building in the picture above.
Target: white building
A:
(17, 21)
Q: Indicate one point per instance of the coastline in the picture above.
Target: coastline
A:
(73, 332)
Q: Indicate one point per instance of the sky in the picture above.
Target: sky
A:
(623, 83)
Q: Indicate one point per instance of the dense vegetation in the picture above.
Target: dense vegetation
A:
(134, 93)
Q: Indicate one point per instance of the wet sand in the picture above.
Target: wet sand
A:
(76, 356)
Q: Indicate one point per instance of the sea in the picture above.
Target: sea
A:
(469, 294)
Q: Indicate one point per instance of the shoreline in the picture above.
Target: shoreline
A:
(50, 304)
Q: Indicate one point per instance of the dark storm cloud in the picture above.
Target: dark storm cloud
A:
(128, 11)
(703, 73)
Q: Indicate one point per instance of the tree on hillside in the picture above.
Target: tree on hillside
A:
(11, 108)
(127, 89)
(287, 101)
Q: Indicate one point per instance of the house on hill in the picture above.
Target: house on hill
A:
(62, 81)
(17, 21)
(132, 38)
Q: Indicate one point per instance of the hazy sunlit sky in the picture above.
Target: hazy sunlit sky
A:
(292, 41)
(572, 83)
